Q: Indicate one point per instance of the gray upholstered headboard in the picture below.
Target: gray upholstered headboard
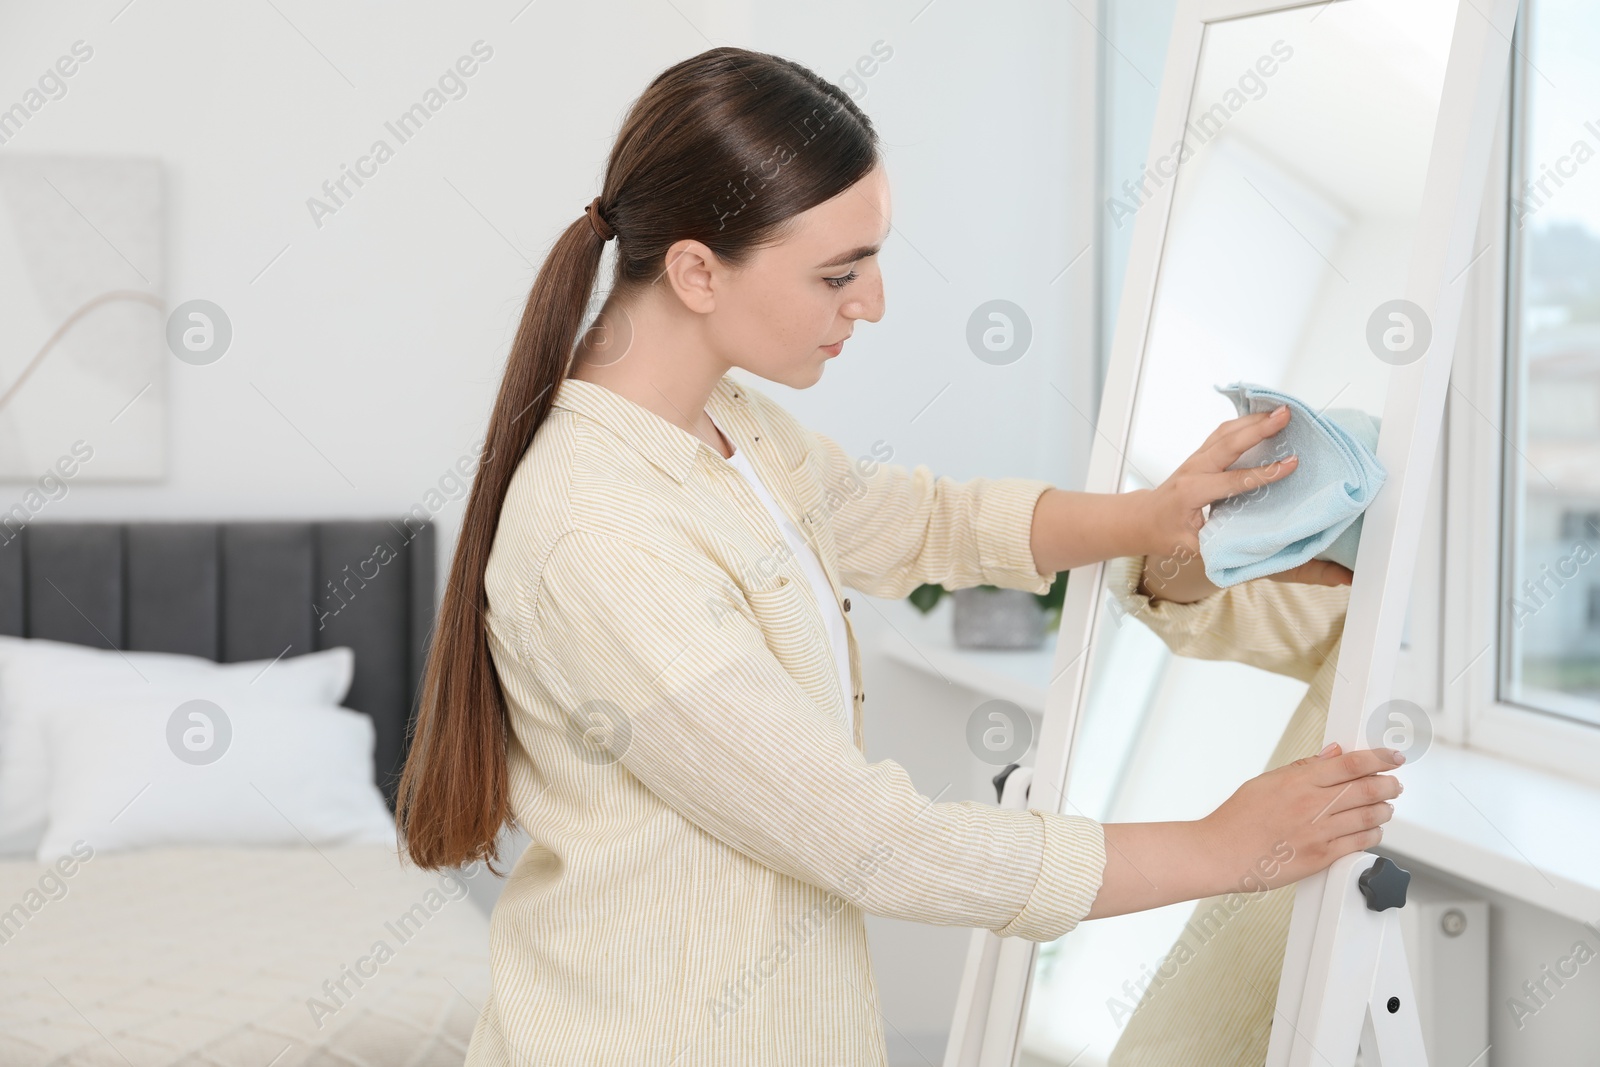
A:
(233, 591)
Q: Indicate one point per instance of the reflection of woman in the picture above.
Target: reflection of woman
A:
(1210, 1002)
(642, 656)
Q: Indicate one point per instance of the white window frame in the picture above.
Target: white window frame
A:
(1471, 541)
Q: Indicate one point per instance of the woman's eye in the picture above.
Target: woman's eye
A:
(841, 282)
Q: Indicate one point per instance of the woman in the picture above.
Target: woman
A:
(1212, 1005)
(643, 658)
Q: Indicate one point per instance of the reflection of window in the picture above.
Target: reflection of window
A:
(1580, 526)
(1550, 602)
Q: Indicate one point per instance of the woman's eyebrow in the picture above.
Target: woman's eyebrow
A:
(850, 256)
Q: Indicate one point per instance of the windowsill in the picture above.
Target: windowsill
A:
(1503, 825)
(1499, 824)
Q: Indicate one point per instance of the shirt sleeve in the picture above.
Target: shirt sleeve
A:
(897, 528)
(714, 725)
(1284, 627)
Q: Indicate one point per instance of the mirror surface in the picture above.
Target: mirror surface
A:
(1297, 187)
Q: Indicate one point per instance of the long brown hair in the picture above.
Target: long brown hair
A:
(723, 148)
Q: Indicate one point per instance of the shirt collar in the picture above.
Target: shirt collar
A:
(669, 447)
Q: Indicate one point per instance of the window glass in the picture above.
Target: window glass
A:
(1550, 602)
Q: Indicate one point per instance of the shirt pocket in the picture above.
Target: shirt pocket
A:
(786, 611)
(811, 497)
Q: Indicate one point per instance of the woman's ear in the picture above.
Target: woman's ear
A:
(694, 273)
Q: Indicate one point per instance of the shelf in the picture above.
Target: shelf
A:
(925, 643)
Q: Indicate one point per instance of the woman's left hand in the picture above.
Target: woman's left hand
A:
(1174, 511)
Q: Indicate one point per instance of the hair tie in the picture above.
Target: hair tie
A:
(597, 221)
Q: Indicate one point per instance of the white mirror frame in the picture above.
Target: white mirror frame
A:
(994, 991)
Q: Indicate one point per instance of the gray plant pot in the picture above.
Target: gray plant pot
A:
(997, 618)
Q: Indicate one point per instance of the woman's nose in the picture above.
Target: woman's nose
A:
(870, 307)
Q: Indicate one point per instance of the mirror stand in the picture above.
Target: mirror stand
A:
(1293, 216)
(1366, 983)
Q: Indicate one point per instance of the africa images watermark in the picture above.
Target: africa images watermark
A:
(51, 886)
(1537, 993)
(738, 193)
(336, 192)
(1200, 929)
(854, 79)
(1535, 193)
(1537, 593)
(337, 992)
(1161, 571)
(797, 933)
(454, 484)
(52, 85)
(1251, 85)
(768, 565)
(51, 486)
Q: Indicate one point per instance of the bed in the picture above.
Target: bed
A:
(219, 955)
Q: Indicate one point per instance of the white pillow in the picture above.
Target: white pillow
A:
(322, 677)
(159, 771)
(35, 672)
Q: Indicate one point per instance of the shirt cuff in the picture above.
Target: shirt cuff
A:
(1123, 576)
(1071, 870)
(1122, 582)
(1005, 534)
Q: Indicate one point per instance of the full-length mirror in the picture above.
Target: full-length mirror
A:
(1297, 186)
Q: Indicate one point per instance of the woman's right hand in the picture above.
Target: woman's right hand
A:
(1296, 820)
(1276, 828)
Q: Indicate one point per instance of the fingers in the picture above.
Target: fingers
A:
(1348, 766)
(1237, 436)
(1359, 841)
(1247, 479)
(1360, 793)
(1356, 819)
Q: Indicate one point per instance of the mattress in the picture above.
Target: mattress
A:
(239, 957)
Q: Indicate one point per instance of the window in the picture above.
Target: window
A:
(1549, 600)
(1579, 525)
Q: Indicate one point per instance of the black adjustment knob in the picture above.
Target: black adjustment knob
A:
(999, 781)
(1384, 885)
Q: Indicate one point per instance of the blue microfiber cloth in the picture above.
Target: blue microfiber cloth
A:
(1313, 513)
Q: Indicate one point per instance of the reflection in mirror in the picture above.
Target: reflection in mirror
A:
(1296, 191)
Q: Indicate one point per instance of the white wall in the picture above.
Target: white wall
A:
(367, 350)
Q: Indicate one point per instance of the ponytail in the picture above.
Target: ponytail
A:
(693, 160)
(457, 746)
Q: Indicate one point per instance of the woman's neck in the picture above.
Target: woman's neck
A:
(674, 390)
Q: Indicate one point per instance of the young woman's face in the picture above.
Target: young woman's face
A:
(778, 316)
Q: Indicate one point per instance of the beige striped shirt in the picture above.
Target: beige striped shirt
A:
(1210, 1002)
(706, 839)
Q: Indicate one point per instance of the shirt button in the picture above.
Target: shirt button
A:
(847, 603)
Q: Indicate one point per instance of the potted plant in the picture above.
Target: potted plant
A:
(987, 616)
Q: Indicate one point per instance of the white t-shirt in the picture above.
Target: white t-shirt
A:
(831, 614)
